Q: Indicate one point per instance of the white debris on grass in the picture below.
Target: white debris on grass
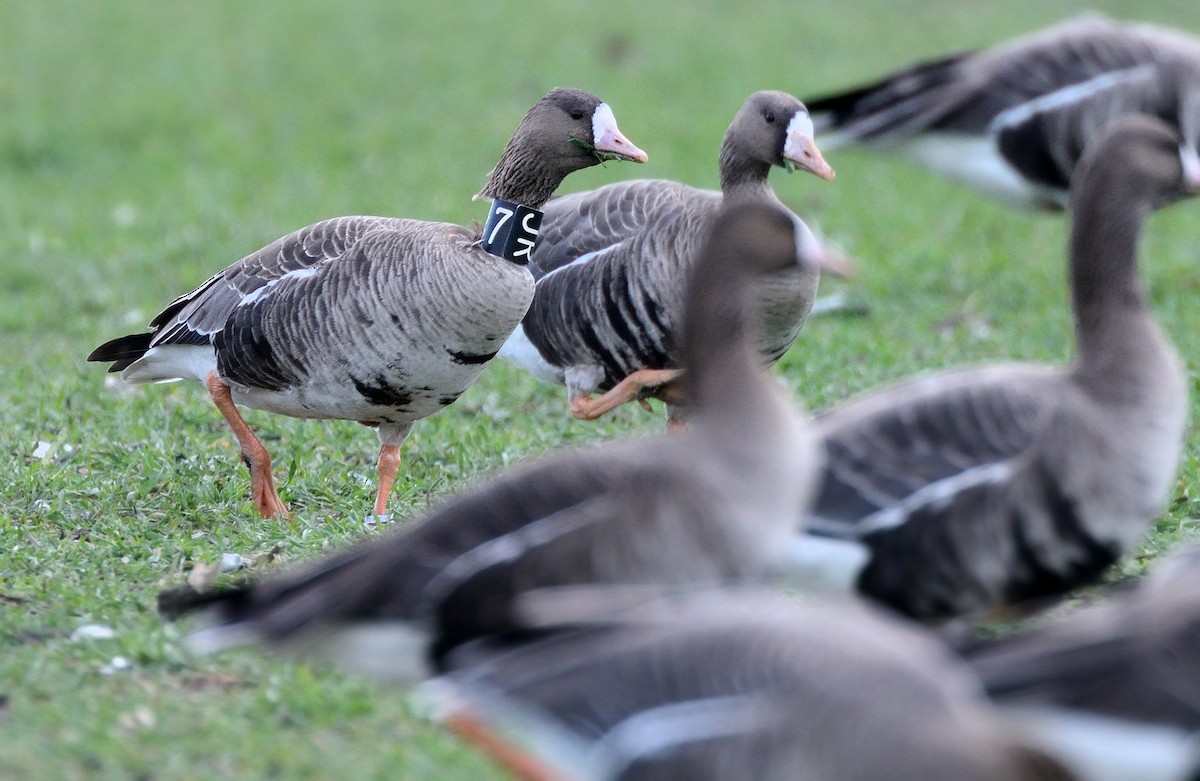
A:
(93, 632)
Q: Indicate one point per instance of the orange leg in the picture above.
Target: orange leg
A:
(522, 766)
(632, 388)
(258, 460)
(389, 465)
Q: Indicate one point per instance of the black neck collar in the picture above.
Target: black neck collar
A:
(511, 231)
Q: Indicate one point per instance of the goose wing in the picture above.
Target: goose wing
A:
(583, 223)
(925, 439)
(966, 92)
(194, 317)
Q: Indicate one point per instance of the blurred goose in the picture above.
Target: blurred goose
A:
(732, 685)
(1013, 120)
(379, 320)
(1114, 687)
(613, 264)
(712, 505)
(959, 491)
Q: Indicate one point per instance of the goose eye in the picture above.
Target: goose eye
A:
(576, 114)
(769, 116)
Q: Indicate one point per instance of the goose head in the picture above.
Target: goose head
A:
(772, 128)
(566, 131)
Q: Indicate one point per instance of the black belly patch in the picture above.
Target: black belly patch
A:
(382, 393)
(470, 359)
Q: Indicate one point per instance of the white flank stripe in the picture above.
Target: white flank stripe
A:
(934, 494)
(579, 261)
(658, 730)
(1066, 96)
(257, 293)
(505, 548)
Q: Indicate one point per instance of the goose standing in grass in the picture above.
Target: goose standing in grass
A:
(710, 506)
(1014, 120)
(613, 264)
(729, 685)
(1114, 687)
(960, 491)
(379, 320)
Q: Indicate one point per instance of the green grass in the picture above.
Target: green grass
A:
(145, 145)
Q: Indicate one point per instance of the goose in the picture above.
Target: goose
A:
(1012, 121)
(1114, 687)
(954, 493)
(613, 264)
(732, 684)
(709, 506)
(379, 320)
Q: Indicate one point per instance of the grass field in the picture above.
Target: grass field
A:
(145, 145)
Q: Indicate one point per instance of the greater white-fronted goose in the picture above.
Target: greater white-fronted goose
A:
(379, 320)
(614, 262)
(959, 491)
(710, 506)
(1113, 688)
(732, 685)
(1013, 120)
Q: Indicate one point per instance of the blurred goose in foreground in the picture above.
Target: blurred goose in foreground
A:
(375, 319)
(1114, 687)
(732, 685)
(1014, 120)
(713, 505)
(614, 262)
(960, 491)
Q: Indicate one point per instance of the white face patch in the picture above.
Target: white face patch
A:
(1191, 168)
(799, 132)
(603, 122)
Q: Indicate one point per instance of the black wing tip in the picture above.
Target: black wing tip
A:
(835, 110)
(174, 603)
(122, 351)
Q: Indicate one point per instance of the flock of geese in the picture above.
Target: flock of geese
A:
(613, 612)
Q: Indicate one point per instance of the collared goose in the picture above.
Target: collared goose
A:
(960, 491)
(711, 505)
(379, 320)
(1013, 120)
(613, 264)
(731, 685)
(1114, 688)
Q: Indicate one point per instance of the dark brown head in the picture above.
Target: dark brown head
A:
(565, 131)
(1141, 156)
(771, 128)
